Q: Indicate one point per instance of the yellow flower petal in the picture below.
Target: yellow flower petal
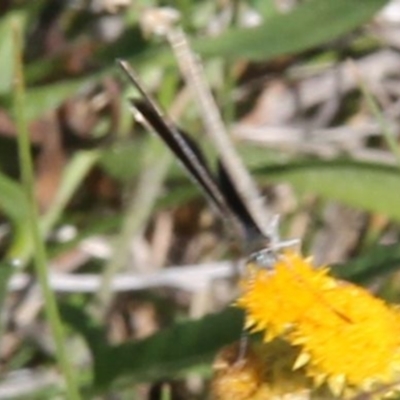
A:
(363, 343)
(302, 360)
(337, 384)
(351, 338)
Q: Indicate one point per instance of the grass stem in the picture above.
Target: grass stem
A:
(40, 257)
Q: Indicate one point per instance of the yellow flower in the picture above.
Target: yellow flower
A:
(236, 379)
(264, 373)
(346, 337)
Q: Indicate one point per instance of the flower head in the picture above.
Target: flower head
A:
(346, 337)
(264, 373)
(236, 379)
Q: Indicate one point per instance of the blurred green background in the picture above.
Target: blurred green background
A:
(142, 272)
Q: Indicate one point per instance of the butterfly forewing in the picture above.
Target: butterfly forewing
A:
(221, 192)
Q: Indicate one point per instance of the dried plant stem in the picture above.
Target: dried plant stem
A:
(194, 76)
(40, 257)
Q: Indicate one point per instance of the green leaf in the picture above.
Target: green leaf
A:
(73, 175)
(47, 97)
(371, 187)
(113, 160)
(171, 351)
(91, 331)
(14, 205)
(377, 261)
(313, 23)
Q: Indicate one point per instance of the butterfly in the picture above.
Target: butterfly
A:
(220, 190)
(263, 245)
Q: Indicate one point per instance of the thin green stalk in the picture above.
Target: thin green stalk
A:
(155, 166)
(40, 258)
(229, 68)
(166, 392)
(74, 174)
(377, 112)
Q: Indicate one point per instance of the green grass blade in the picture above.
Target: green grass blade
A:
(75, 172)
(371, 187)
(40, 257)
(311, 24)
(377, 261)
(14, 205)
(171, 351)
